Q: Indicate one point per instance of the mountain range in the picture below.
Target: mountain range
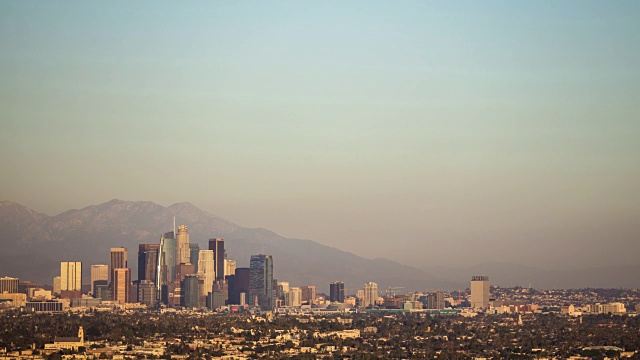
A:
(34, 244)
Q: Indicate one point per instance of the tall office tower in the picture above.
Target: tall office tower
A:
(281, 289)
(229, 267)
(70, 276)
(166, 260)
(261, 281)
(57, 284)
(435, 300)
(217, 245)
(293, 297)
(118, 261)
(206, 267)
(183, 270)
(479, 292)
(182, 241)
(9, 285)
(336, 291)
(190, 290)
(148, 261)
(238, 284)
(121, 285)
(309, 294)
(370, 294)
(147, 292)
(99, 272)
(194, 254)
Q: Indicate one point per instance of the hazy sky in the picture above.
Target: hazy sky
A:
(426, 132)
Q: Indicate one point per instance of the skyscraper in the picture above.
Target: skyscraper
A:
(182, 241)
(194, 254)
(205, 266)
(9, 285)
(336, 291)
(261, 290)
(217, 245)
(293, 297)
(190, 291)
(148, 262)
(370, 294)
(121, 285)
(229, 267)
(118, 261)
(99, 272)
(238, 283)
(479, 292)
(70, 276)
(308, 294)
(166, 260)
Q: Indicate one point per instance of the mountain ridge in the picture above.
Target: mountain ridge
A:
(88, 233)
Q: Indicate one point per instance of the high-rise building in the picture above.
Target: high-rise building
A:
(121, 285)
(261, 291)
(370, 294)
(479, 292)
(148, 262)
(293, 297)
(9, 285)
(217, 245)
(281, 290)
(189, 285)
(166, 260)
(99, 272)
(194, 253)
(229, 267)
(147, 292)
(206, 267)
(238, 284)
(309, 294)
(182, 241)
(435, 300)
(336, 291)
(57, 284)
(70, 276)
(118, 260)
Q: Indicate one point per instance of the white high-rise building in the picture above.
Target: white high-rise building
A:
(229, 267)
(99, 272)
(206, 266)
(293, 297)
(479, 292)
(370, 294)
(183, 250)
(70, 276)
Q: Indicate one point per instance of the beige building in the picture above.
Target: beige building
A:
(13, 297)
(118, 261)
(479, 292)
(122, 285)
(229, 267)
(99, 272)
(68, 343)
(9, 285)
(70, 276)
(182, 246)
(293, 297)
(57, 285)
(206, 268)
(370, 294)
(309, 294)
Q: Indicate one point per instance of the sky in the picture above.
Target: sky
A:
(431, 133)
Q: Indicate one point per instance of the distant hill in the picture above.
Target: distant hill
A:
(34, 244)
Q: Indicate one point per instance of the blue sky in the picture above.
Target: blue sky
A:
(390, 129)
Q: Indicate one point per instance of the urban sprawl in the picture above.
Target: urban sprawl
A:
(189, 303)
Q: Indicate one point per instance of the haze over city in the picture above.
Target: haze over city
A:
(427, 133)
